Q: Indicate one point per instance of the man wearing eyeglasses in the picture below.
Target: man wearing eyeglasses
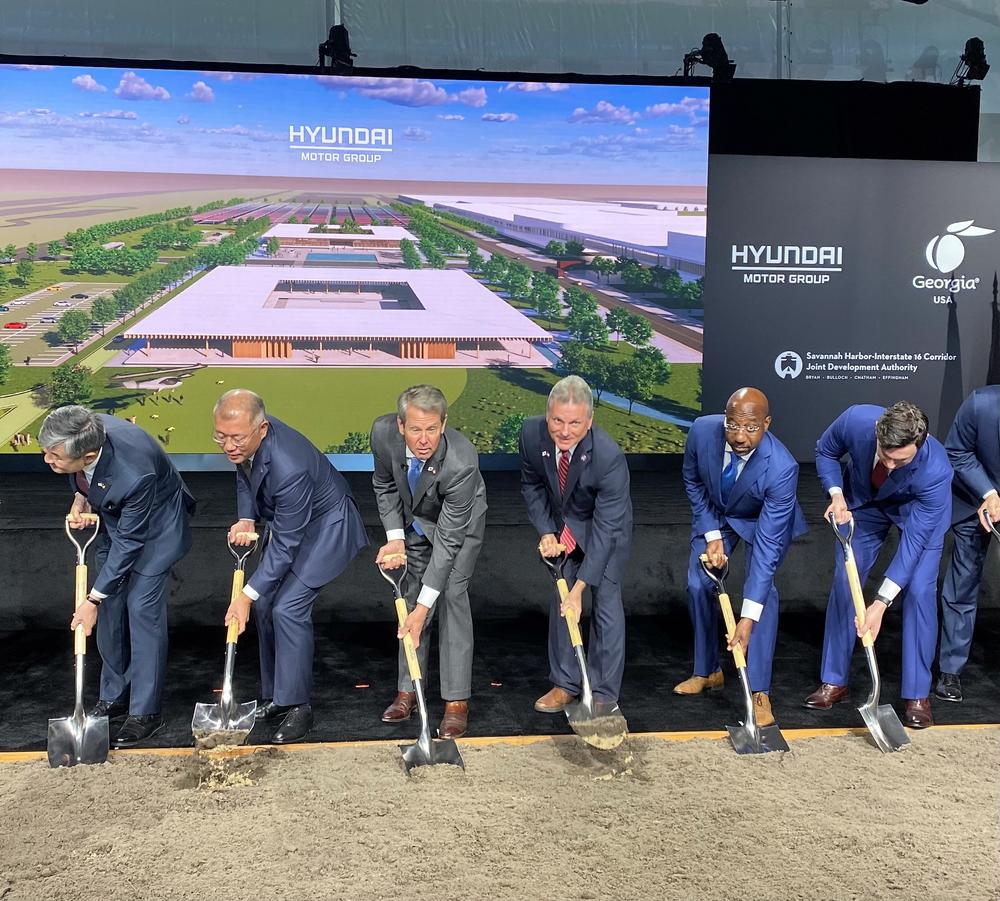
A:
(314, 529)
(741, 483)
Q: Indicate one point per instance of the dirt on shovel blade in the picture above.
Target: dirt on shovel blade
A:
(205, 740)
(602, 731)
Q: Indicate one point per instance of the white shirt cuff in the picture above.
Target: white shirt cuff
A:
(988, 493)
(395, 534)
(714, 535)
(251, 593)
(427, 596)
(96, 594)
(752, 610)
(834, 491)
(888, 589)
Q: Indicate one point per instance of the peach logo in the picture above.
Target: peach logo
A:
(946, 252)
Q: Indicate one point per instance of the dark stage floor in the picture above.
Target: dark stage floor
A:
(510, 672)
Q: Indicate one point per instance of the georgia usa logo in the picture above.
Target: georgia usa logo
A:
(946, 252)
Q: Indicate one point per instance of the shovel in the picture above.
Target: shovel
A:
(424, 752)
(227, 723)
(605, 729)
(882, 721)
(79, 738)
(747, 737)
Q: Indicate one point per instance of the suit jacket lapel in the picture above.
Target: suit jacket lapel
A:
(715, 466)
(431, 470)
(751, 470)
(898, 479)
(548, 451)
(260, 465)
(581, 458)
(101, 481)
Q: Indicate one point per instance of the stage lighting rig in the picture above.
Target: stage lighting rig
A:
(337, 46)
(712, 54)
(972, 66)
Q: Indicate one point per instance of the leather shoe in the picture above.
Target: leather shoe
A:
(918, 714)
(401, 707)
(824, 697)
(554, 700)
(111, 709)
(949, 687)
(295, 726)
(138, 728)
(455, 721)
(605, 708)
(268, 710)
(697, 684)
(762, 709)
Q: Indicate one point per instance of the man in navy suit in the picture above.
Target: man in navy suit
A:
(119, 472)
(314, 529)
(895, 474)
(575, 483)
(973, 446)
(741, 482)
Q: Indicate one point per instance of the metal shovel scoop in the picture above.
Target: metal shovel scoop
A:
(227, 723)
(882, 721)
(426, 752)
(605, 728)
(747, 737)
(79, 738)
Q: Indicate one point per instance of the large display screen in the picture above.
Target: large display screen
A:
(327, 241)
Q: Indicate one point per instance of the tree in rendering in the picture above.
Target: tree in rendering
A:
(70, 385)
(637, 330)
(6, 363)
(555, 249)
(616, 320)
(54, 250)
(31, 250)
(506, 437)
(25, 269)
(103, 311)
(74, 327)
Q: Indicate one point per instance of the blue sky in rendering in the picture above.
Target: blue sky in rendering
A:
(155, 120)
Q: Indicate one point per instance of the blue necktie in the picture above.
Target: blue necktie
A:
(412, 475)
(729, 477)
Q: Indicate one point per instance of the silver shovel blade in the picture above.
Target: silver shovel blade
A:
(605, 730)
(884, 727)
(442, 750)
(211, 727)
(73, 740)
(765, 740)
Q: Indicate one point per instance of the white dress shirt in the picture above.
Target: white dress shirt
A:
(427, 595)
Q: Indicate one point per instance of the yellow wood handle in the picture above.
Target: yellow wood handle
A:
(727, 615)
(571, 621)
(411, 652)
(79, 638)
(253, 536)
(238, 577)
(85, 517)
(857, 596)
(394, 557)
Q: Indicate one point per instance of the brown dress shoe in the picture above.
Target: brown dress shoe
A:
(697, 684)
(762, 709)
(554, 701)
(401, 707)
(455, 721)
(918, 713)
(824, 697)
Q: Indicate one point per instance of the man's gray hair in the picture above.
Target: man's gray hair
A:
(424, 397)
(239, 400)
(79, 431)
(571, 390)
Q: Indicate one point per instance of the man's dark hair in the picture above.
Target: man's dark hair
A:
(901, 425)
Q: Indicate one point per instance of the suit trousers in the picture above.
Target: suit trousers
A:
(285, 639)
(960, 593)
(132, 641)
(918, 602)
(703, 604)
(605, 641)
(453, 612)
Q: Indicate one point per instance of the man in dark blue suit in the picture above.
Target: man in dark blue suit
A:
(895, 474)
(973, 446)
(314, 531)
(741, 482)
(575, 483)
(120, 473)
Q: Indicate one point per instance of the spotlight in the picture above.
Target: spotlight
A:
(972, 66)
(337, 46)
(712, 54)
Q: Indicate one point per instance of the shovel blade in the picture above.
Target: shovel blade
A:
(73, 740)
(442, 750)
(884, 727)
(211, 728)
(766, 739)
(605, 730)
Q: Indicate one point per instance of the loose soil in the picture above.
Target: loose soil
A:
(831, 819)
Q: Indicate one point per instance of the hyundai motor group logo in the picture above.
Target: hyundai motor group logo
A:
(946, 252)
(788, 365)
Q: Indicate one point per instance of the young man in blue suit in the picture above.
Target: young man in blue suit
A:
(119, 472)
(973, 446)
(314, 531)
(741, 483)
(575, 483)
(894, 474)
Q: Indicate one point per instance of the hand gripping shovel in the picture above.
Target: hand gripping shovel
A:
(882, 722)
(604, 729)
(425, 752)
(79, 738)
(227, 723)
(747, 737)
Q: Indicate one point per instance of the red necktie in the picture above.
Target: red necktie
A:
(879, 475)
(566, 536)
(82, 485)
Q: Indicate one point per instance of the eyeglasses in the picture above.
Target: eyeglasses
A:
(237, 441)
(736, 427)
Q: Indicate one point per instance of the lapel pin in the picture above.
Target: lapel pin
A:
(101, 485)
(545, 453)
(583, 458)
(431, 470)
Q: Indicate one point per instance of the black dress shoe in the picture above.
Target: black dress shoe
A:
(295, 726)
(268, 710)
(111, 709)
(138, 728)
(949, 687)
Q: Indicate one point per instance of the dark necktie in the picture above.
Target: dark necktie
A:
(412, 477)
(247, 468)
(82, 485)
(566, 536)
(879, 475)
(729, 475)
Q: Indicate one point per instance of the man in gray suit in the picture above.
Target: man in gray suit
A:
(432, 501)
(119, 472)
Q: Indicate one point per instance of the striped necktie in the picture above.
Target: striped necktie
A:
(566, 536)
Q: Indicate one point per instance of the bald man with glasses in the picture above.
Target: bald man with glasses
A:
(741, 483)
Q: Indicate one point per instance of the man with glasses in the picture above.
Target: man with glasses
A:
(314, 531)
(741, 483)
(895, 474)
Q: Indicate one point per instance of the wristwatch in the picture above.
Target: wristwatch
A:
(95, 601)
(882, 599)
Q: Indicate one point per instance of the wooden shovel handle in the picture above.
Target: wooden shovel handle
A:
(82, 517)
(571, 621)
(411, 652)
(857, 596)
(232, 633)
(80, 597)
(727, 614)
(394, 557)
